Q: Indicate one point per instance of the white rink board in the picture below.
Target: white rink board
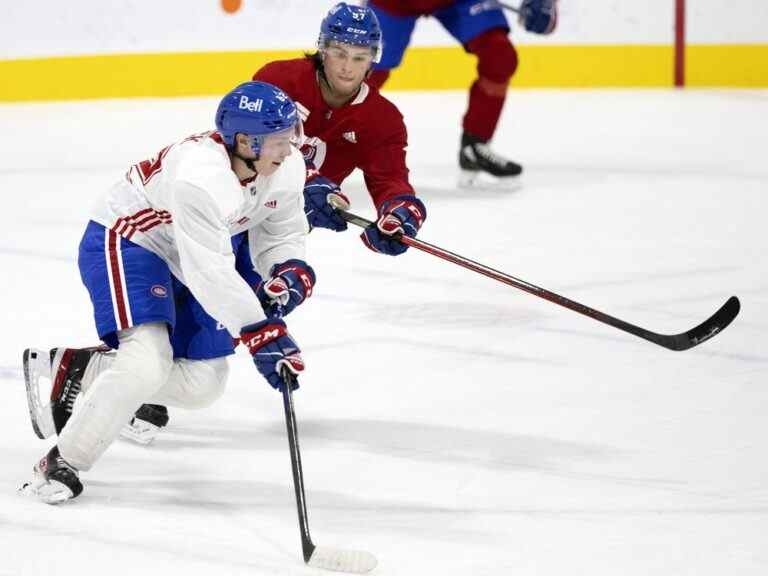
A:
(82, 27)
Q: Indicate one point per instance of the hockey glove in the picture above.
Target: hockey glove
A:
(539, 16)
(320, 197)
(399, 215)
(272, 348)
(291, 283)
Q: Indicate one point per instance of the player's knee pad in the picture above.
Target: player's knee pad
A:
(204, 381)
(145, 353)
(496, 56)
(141, 367)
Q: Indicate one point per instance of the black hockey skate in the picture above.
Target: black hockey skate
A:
(64, 368)
(54, 480)
(476, 158)
(145, 424)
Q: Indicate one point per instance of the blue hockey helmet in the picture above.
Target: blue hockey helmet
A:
(355, 25)
(255, 109)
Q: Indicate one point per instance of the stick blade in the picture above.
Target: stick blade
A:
(350, 561)
(707, 329)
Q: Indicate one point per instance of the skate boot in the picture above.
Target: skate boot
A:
(54, 480)
(145, 424)
(476, 158)
(64, 368)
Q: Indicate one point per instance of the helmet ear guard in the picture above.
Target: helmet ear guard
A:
(353, 25)
(296, 137)
(254, 142)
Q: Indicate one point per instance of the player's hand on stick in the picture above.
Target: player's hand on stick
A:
(290, 284)
(403, 214)
(539, 16)
(272, 348)
(321, 197)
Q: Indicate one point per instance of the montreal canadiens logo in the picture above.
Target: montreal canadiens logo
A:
(159, 291)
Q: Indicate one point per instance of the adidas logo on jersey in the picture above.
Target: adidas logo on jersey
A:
(350, 137)
(246, 104)
(271, 204)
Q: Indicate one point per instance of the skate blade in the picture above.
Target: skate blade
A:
(53, 492)
(477, 180)
(37, 366)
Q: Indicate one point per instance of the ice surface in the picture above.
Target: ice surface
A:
(448, 424)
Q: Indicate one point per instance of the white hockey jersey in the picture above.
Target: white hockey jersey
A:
(186, 203)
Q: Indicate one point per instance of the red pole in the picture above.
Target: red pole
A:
(679, 43)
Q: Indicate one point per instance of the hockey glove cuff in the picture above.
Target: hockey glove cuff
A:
(321, 196)
(291, 283)
(272, 348)
(402, 214)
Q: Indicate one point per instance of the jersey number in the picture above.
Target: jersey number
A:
(148, 168)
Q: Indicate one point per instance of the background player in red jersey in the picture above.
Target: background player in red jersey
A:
(350, 125)
(482, 29)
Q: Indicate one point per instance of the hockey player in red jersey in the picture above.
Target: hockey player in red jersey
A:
(349, 125)
(482, 29)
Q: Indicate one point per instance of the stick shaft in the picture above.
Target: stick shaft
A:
(307, 546)
(713, 325)
(509, 7)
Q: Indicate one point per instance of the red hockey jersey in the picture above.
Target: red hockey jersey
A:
(367, 133)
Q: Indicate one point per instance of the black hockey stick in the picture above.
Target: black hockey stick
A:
(683, 341)
(509, 7)
(352, 561)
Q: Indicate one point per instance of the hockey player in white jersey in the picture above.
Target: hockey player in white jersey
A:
(160, 259)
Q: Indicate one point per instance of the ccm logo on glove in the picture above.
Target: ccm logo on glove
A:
(266, 335)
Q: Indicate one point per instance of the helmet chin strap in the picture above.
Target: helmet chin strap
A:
(249, 162)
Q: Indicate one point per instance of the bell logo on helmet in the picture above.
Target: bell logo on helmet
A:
(246, 104)
(255, 109)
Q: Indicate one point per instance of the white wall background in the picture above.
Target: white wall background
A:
(77, 27)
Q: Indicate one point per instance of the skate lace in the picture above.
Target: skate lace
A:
(485, 151)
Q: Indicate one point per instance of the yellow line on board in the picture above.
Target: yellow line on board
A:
(734, 65)
(424, 68)
(542, 67)
(131, 75)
